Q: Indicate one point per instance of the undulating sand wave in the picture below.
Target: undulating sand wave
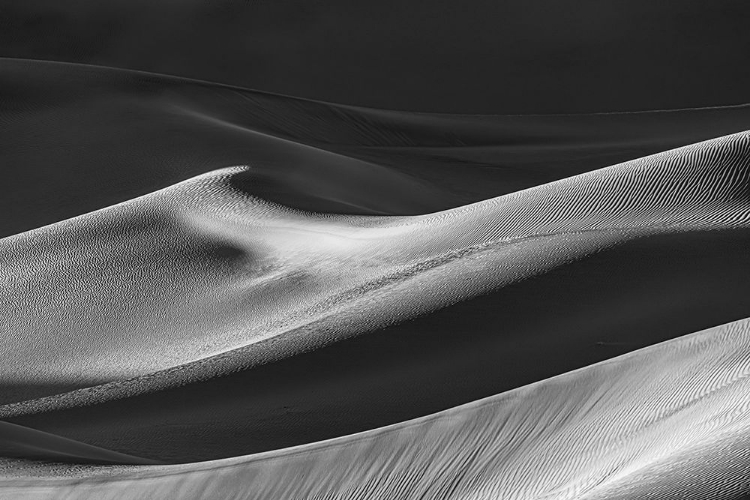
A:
(462, 306)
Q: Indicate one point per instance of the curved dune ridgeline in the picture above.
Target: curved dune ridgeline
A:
(514, 56)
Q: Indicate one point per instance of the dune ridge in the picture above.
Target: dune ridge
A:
(347, 250)
(28, 443)
(519, 57)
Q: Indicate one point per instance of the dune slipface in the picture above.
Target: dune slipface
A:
(537, 344)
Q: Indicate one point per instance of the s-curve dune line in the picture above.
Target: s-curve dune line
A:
(200, 269)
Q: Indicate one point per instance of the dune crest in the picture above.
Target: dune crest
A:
(210, 320)
(17, 441)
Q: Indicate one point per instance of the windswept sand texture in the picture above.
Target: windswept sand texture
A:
(209, 291)
(584, 435)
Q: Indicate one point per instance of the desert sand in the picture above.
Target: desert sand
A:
(585, 434)
(206, 322)
(228, 271)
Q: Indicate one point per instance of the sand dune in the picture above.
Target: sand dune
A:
(205, 322)
(207, 227)
(522, 56)
(85, 138)
(584, 435)
(208, 291)
(27, 443)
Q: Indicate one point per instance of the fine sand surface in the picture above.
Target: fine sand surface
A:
(219, 321)
(670, 421)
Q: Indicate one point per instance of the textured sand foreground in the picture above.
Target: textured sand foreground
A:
(667, 421)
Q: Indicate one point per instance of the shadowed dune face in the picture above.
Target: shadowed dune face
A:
(32, 444)
(471, 350)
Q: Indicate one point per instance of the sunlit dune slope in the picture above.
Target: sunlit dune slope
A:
(669, 421)
(84, 138)
(220, 324)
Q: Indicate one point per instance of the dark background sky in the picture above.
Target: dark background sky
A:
(480, 56)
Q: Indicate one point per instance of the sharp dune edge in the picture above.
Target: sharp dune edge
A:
(201, 269)
(207, 283)
(31, 443)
